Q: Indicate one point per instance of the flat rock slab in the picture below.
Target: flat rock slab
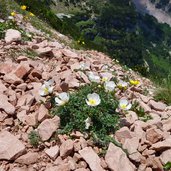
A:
(117, 160)
(66, 148)
(52, 152)
(159, 106)
(10, 147)
(69, 53)
(47, 51)
(48, 127)
(29, 158)
(91, 158)
(165, 156)
(162, 145)
(5, 105)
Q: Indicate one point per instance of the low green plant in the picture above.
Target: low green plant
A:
(11, 24)
(104, 118)
(140, 112)
(34, 138)
(2, 30)
(167, 166)
(4, 6)
(29, 53)
(6, 25)
(164, 92)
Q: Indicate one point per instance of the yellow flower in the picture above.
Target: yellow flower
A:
(83, 43)
(31, 14)
(109, 86)
(23, 7)
(13, 13)
(134, 82)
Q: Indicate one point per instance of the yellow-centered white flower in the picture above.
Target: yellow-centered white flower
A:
(46, 88)
(94, 78)
(88, 123)
(62, 99)
(122, 84)
(109, 86)
(106, 76)
(124, 104)
(93, 99)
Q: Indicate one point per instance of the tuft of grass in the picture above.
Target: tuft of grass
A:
(29, 53)
(2, 30)
(105, 119)
(34, 138)
(164, 92)
(140, 112)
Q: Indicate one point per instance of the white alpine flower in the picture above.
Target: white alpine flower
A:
(109, 86)
(106, 76)
(94, 78)
(93, 99)
(88, 123)
(46, 88)
(122, 84)
(124, 104)
(62, 98)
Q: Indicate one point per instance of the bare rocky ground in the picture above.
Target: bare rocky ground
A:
(148, 144)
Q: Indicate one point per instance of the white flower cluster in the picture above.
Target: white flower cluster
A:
(94, 98)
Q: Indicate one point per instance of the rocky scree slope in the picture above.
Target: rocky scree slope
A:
(148, 144)
(159, 9)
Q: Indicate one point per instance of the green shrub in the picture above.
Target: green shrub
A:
(105, 120)
(2, 30)
(3, 7)
(34, 138)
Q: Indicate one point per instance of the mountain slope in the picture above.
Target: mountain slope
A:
(114, 27)
(127, 35)
(49, 121)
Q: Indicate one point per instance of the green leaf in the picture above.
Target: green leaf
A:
(167, 166)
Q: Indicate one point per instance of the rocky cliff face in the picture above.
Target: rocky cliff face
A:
(160, 10)
(164, 5)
